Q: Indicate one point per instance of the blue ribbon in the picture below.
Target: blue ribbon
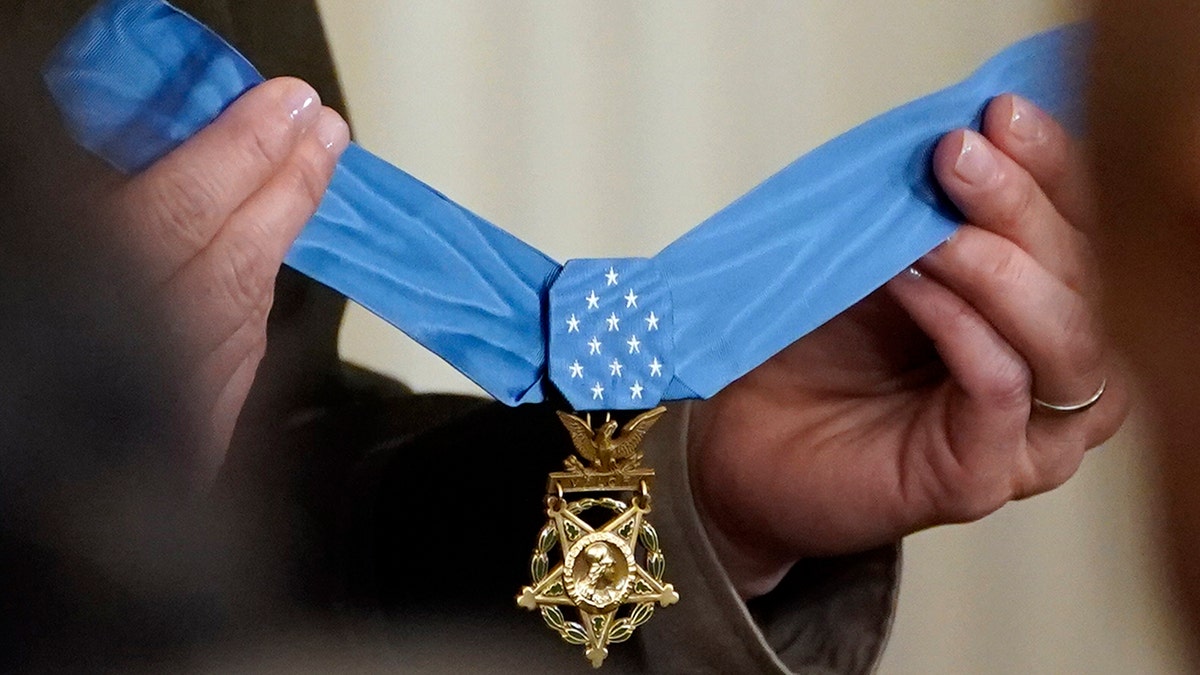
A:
(136, 78)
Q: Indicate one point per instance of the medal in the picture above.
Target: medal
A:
(136, 78)
(607, 564)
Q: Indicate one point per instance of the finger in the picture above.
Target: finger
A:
(175, 208)
(224, 381)
(231, 281)
(1085, 429)
(1052, 326)
(988, 408)
(1034, 140)
(997, 194)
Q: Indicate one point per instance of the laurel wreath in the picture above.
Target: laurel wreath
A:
(622, 629)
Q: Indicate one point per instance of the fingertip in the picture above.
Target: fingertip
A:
(260, 130)
(297, 98)
(998, 114)
(1011, 119)
(947, 150)
(332, 132)
(964, 157)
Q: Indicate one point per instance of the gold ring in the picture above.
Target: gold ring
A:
(1073, 407)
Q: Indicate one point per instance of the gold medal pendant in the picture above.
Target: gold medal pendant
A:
(608, 563)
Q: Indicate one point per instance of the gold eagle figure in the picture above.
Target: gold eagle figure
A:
(600, 447)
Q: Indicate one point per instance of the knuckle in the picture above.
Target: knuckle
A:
(247, 340)
(184, 207)
(1074, 267)
(1016, 200)
(967, 490)
(961, 319)
(248, 279)
(256, 346)
(1052, 467)
(1008, 385)
(976, 505)
(973, 497)
(1008, 266)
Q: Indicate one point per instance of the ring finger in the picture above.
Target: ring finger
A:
(1051, 325)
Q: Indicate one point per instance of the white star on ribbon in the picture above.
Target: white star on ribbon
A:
(576, 370)
(635, 392)
(595, 345)
(651, 322)
(635, 347)
(615, 368)
(572, 324)
(611, 277)
(597, 392)
(656, 368)
(614, 323)
(631, 299)
(593, 300)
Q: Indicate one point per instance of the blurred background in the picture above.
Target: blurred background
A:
(610, 128)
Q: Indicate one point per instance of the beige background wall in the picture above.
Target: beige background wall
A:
(609, 128)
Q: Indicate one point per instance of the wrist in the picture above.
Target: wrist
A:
(751, 575)
(753, 566)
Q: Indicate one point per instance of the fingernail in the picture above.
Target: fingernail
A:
(332, 132)
(303, 104)
(975, 163)
(1025, 121)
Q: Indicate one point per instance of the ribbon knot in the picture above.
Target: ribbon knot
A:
(137, 77)
(610, 333)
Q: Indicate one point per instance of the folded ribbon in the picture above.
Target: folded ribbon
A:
(136, 78)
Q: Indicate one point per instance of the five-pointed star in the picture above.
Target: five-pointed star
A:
(630, 299)
(635, 347)
(651, 322)
(595, 345)
(635, 392)
(613, 322)
(576, 370)
(597, 392)
(593, 300)
(644, 587)
(611, 276)
(572, 324)
(615, 368)
(655, 368)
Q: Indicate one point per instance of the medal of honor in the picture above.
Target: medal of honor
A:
(607, 564)
(136, 78)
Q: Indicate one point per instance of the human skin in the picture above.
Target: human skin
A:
(853, 437)
(1144, 111)
(914, 408)
(210, 224)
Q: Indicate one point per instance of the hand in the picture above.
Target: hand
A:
(212, 222)
(915, 407)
